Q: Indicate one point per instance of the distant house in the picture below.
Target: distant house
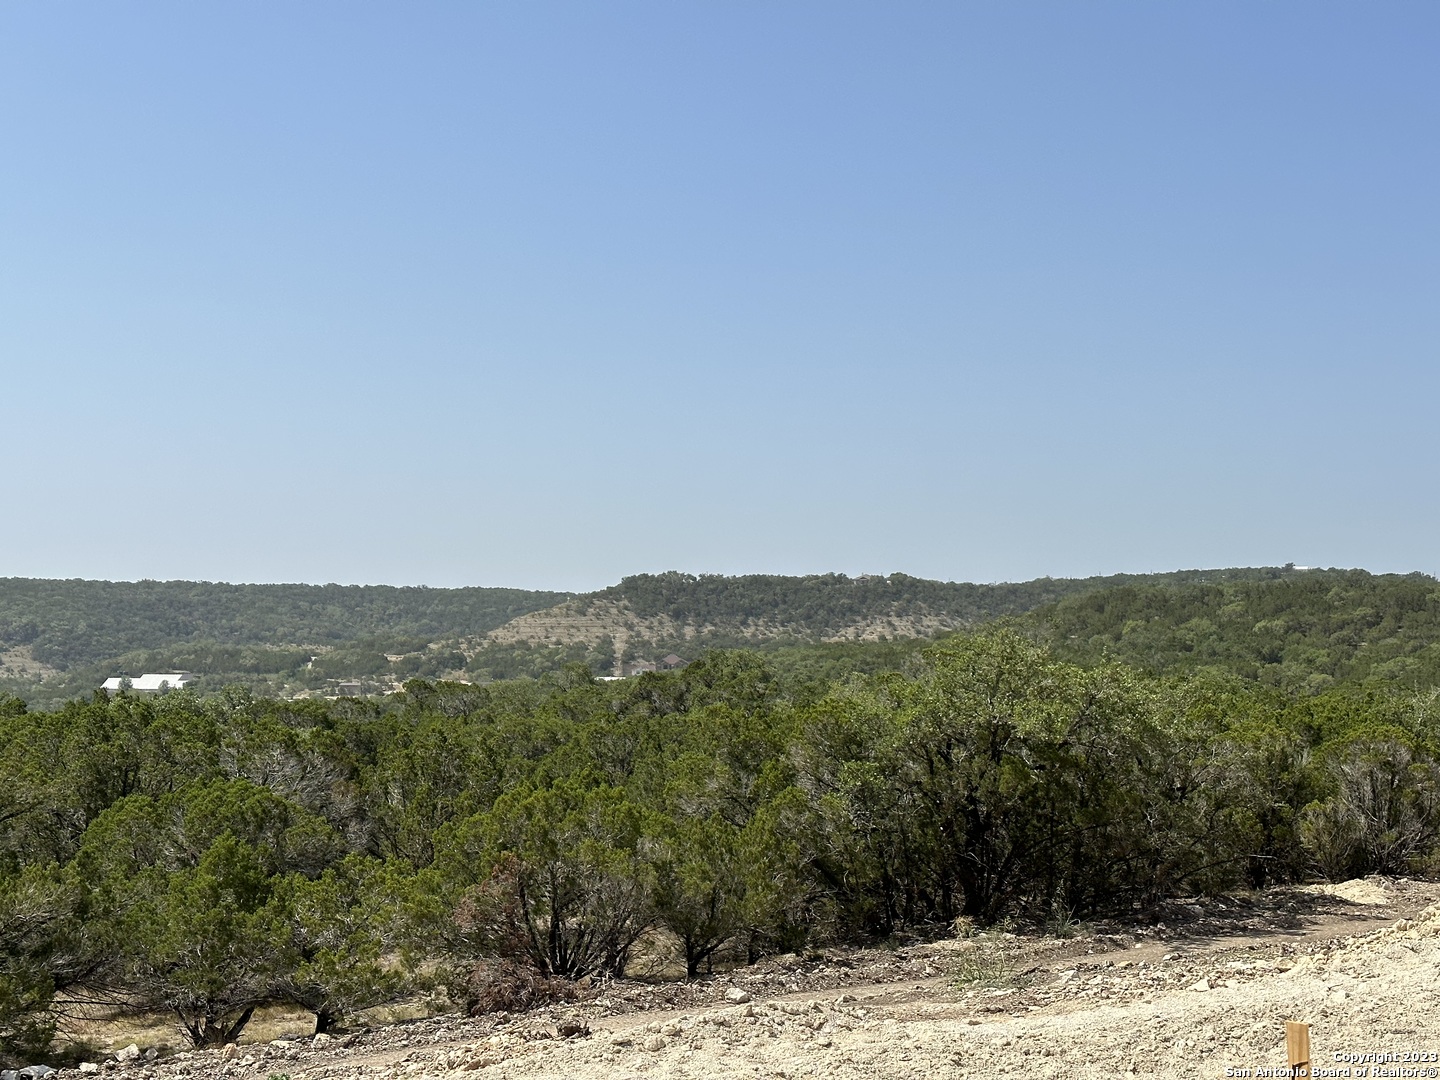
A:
(349, 689)
(640, 667)
(150, 684)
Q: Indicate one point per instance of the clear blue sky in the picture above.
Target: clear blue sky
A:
(544, 294)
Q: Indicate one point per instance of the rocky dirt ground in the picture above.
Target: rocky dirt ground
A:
(1199, 988)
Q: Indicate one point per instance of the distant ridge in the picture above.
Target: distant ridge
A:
(1303, 632)
(69, 622)
(60, 639)
(659, 613)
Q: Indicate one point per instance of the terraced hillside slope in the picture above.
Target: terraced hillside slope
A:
(648, 616)
(1302, 630)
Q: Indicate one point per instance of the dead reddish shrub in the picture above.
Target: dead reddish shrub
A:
(512, 986)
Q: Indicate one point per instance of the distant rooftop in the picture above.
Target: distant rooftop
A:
(151, 683)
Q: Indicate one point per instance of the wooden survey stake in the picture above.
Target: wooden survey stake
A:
(1297, 1047)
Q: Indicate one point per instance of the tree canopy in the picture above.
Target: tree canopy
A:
(205, 855)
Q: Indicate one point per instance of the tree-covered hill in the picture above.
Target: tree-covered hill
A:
(1299, 630)
(67, 623)
(59, 638)
(649, 615)
(1303, 631)
(820, 606)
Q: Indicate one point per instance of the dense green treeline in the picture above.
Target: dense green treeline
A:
(1301, 631)
(818, 605)
(70, 623)
(206, 855)
(284, 640)
(810, 669)
(1304, 632)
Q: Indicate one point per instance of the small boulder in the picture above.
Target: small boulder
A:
(128, 1053)
(1201, 987)
(89, 1067)
(321, 1040)
(736, 996)
(655, 1042)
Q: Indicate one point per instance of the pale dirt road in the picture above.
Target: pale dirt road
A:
(1361, 965)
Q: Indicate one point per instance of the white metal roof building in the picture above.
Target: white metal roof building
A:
(151, 684)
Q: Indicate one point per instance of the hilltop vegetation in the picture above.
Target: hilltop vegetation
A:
(1299, 630)
(650, 615)
(67, 623)
(1302, 632)
(825, 606)
(61, 638)
(72, 634)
